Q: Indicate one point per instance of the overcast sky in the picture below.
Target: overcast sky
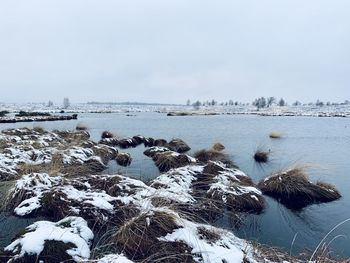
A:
(171, 50)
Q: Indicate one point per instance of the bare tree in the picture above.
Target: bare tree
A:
(197, 105)
(281, 102)
(296, 103)
(270, 101)
(260, 103)
(319, 103)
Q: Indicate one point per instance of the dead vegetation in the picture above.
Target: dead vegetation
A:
(205, 156)
(208, 234)
(138, 239)
(275, 135)
(293, 188)
(81, 127)
(261, 156)
(138, 140)
(230, 196)
(73, 137)
(160, 142)
(218, 147)
(107, 134)
(178, 145)
(123, 159)
(170, 160)
(105, 152)
(148, 142)
(151, 152)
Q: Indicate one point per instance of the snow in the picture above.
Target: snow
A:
(36, 184)
(28, 205)
(69, 230)
(227, 248)
(113, 258)
(97, 199)
(177, 183)
(336, 110)
(37, 149)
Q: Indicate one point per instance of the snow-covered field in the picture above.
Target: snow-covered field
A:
(338, 110)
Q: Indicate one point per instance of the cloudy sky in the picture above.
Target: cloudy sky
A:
(171, 50)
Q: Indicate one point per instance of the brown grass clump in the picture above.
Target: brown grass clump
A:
(293, 188)
(73, 137)
(218, 147)
(105, 152)
(275, 135)
(109, 141)
(205, 156)
(106, 134)
(160, 142)
(57, 167)
(81, 127)
(27, 168)
(138, 239)
(178, 145)
(39, 129)
(126, 143)
(54, 205)
(151, 152)
(169, 160)
(138, 140)
(123, 159)
(240, 202)
(216, 200)
(148, 142)
(261, 156)
(4, 144)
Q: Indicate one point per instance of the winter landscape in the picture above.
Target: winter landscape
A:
(174, 131)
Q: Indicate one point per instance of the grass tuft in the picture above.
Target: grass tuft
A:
(261, 156)
(169, 160)
(205, 156)
(218, 147)
(293, 188)
(275, 135)
(81, 127)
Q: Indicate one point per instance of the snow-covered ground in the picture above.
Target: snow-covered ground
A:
(338, 110)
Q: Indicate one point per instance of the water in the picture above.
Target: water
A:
(322, 143)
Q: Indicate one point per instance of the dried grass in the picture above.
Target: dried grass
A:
(168, 160)
(205, 156)
(293, 188)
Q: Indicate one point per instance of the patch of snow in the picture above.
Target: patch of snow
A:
(69, 230)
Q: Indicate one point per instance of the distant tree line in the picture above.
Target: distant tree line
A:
(261, 102)
(208, 103)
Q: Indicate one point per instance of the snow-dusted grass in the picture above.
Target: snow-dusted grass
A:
(293, 188)
(73, 230)
(26, 150)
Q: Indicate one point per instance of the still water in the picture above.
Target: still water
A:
(321, 143)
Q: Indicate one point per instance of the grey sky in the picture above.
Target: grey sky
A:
(171, 50)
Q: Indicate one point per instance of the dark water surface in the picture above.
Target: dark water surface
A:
(321, 143)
